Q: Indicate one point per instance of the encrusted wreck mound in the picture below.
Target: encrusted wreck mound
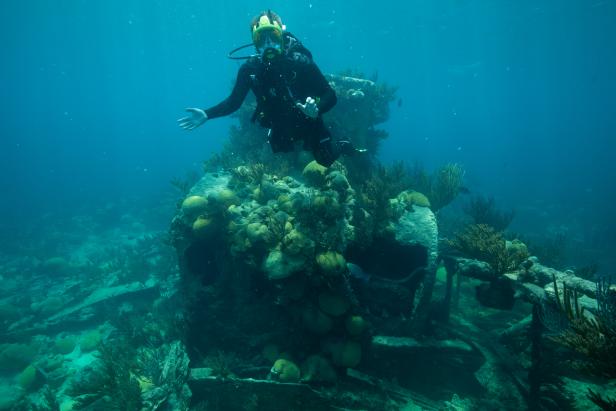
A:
(291, 269)
(276, 270)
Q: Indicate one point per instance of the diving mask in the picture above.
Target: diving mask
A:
(267, 37)
(269, 43)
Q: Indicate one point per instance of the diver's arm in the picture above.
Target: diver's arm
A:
(325, 94)
(235, 100)
(328, 100)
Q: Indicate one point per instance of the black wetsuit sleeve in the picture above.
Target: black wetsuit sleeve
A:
(325, 93)
(235, 100)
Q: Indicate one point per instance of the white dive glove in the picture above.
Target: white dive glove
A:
(196, 118)
(310, 109)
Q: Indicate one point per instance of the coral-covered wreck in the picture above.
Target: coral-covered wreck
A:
(313, 288)
(294, 277)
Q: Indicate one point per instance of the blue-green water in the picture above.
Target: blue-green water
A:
(519, 93)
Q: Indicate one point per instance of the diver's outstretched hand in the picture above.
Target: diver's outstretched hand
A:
(197, 117)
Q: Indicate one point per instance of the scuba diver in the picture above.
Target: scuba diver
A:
(292, 93)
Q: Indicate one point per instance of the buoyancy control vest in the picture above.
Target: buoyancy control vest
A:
(296, 52)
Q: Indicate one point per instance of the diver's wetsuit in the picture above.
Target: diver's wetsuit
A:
(278, 85)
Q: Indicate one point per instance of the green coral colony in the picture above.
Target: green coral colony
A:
(294, 236)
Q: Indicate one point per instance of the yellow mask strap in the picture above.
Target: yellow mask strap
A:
(264, 23)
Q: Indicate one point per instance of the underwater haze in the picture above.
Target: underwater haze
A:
(519, 94)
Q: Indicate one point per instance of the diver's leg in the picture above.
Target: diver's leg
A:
(325, 152)
(346, 148)
(325, 149)
(279, 141)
